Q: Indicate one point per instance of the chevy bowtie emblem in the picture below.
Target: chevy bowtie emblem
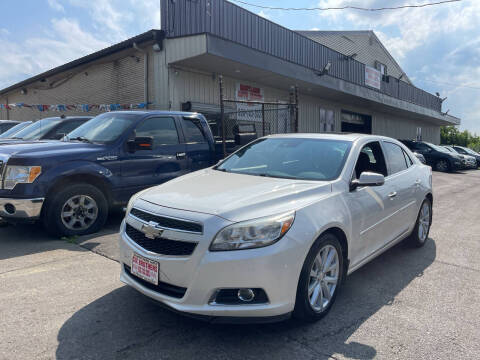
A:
(151, 230)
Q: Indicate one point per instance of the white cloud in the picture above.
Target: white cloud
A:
(38, 54)
(263, 14)
(55, 5)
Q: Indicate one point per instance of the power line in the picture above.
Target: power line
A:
(451, 84)
(347, 7)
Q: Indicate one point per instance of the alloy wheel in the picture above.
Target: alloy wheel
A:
(442, 166)
(424, 222)
(324, 276)
(79, 212)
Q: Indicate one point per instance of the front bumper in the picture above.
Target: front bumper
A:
(275, 269)
(21, 209)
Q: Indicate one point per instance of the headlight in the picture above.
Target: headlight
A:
(253, 234)
(20, 175)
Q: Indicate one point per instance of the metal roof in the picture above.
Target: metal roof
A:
(364, 43)
(151, 35)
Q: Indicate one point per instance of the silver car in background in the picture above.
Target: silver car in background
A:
(274, 229)
(468, 161)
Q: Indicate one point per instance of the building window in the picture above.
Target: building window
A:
(383, 70)
(419, 134)
(327, 120)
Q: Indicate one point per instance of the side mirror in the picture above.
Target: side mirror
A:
(140, 143)
(368, 179)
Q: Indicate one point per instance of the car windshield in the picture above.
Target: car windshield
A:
(37, 130)
(12, 131)
(438, 148)
(290, 158)
(103, 129)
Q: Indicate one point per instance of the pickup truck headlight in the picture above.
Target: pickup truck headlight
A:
(20, 175)
(253, 234)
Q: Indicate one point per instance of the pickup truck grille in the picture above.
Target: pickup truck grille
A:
(159, 245)
(168, 223)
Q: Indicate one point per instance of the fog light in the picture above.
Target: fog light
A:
(246, 295)
(10, 209)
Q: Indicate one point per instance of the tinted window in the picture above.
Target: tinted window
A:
(36, 130)
(193, 131)
(291, 158)
(422, 147)
(163, 131)
(65, 128)
(14, 130)
(104, 128)
(396, 158)
(371, 159)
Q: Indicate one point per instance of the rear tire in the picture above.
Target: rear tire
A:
(78, 209)
(420, 232)
(317, 280)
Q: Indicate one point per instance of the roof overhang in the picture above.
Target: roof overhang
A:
(235, 60)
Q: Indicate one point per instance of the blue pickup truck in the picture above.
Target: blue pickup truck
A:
(71, 185)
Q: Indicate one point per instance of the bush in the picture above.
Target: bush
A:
(450, 135)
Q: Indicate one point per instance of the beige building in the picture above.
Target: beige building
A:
(175, 69)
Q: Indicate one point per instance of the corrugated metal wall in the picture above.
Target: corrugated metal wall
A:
(119, 81)
(231, 22)
(190, 85)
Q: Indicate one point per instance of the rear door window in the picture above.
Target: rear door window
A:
(395, 158)
(193, 131)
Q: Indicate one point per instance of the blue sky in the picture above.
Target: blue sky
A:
(438, 47)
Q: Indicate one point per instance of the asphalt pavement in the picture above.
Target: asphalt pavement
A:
(63, 299)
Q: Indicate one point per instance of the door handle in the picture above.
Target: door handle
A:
(181, 155)
(418, 182)
(392, 195)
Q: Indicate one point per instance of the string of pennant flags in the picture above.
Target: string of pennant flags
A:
(74, 107)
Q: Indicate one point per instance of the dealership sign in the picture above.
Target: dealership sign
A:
(249, 112)
(372, 77)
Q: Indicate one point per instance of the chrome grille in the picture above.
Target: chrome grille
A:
(168, 223)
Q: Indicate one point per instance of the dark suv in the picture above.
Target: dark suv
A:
(440, 159)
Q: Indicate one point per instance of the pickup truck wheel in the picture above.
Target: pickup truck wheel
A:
(76, 210)
(320, 280)
(420, 233)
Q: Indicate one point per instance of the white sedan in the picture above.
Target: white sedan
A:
(273, 230)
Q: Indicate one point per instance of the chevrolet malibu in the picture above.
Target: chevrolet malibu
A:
(273, 230)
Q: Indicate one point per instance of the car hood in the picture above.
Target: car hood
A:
(45, 149)
(235, 197)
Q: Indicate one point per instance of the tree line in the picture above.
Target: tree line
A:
(450, 135)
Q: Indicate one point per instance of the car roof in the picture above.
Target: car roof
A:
(9, 122)
(333, 136)
(68, 118)
(155, 112)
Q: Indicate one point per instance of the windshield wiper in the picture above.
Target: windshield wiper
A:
(81, 138)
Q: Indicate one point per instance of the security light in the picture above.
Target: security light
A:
(438, 94)
(325, 70)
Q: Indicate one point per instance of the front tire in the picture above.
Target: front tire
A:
(420, 232)
(320, 280)
(443, 166)
(78, 209)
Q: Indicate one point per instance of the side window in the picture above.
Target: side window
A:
(193, 131)
(65, 128)
(371, 159)
(422, 147)
(408, 159)
(162, 130)
(395, 157)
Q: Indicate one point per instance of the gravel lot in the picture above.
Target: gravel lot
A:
(61, 299)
